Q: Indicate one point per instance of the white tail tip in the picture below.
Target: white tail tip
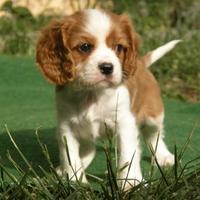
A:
(156, 54)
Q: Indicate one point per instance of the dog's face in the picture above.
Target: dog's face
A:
(92, 47)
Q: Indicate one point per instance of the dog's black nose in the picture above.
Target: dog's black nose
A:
(106, 68)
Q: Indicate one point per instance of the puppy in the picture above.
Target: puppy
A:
(92, 58)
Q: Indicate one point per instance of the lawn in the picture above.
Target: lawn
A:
(27, 103)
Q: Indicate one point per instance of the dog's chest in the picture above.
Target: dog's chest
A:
(92, 112)
(95, 114)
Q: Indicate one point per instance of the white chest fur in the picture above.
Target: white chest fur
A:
(86, 111)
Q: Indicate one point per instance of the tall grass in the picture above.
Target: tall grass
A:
(178, 182)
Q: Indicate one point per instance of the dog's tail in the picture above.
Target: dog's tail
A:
(156, 54)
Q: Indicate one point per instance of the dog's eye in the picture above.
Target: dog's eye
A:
(85, 47)
(119, 48)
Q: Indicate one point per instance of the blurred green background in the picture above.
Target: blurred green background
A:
(157, 22)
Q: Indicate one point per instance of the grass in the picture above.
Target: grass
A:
(27, 103)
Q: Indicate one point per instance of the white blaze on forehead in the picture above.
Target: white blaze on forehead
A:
(98, 24)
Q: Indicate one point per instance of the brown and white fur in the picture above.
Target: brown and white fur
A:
(92, 57)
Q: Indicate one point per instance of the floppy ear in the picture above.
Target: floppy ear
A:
(131, 52)
(53, 57)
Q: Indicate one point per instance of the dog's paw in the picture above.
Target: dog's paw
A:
(60, 171)
(73, 176)
(127, 182)
(165, 160)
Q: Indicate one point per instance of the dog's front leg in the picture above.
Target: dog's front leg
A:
(129, 172)
(70, 161)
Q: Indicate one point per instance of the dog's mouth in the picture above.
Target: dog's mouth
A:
(96, 80)
(106, 82)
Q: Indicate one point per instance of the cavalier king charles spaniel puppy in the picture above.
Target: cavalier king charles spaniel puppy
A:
(92, 58)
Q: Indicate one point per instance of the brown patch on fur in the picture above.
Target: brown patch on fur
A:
(123, 33)
(52, 56)
(130, 62)
(77, 38)
(57, 51)
(145, 93)
(117, 36)
(147, 59)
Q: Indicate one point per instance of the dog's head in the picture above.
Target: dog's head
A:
(92, 47)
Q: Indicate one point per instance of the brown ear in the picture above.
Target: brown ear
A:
(131, 52)
(52, 56)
